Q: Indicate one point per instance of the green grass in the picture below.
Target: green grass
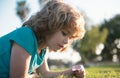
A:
(105, 71)
(101, 71)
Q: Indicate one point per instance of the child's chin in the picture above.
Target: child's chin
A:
(53, 50)
(57, 50)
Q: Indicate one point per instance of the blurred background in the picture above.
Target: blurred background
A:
(101, 43)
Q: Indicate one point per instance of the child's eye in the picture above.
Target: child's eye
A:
(65, 34)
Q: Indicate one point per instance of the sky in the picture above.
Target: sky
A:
(95, 10)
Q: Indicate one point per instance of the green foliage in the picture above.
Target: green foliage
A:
(113, 27)
(87, 45)
(92, 38)
(107, 33)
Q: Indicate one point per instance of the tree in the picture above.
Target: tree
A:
(87, 45)
(22, 9)
(113, 27)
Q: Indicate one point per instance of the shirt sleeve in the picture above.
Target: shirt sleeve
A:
(25, 37)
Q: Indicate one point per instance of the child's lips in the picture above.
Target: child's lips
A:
(61, 46)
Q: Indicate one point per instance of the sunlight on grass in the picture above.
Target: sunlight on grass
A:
(105, 71)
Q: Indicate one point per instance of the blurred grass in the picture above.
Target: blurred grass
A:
(101, 71)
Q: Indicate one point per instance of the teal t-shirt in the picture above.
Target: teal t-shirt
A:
(24, 37)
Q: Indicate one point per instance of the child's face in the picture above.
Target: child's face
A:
(58, 40)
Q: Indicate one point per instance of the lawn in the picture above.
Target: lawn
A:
(101, 71)
(104, 71)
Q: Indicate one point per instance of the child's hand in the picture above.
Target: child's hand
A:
(78, 71)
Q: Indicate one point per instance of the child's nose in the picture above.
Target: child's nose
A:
(66, 40)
